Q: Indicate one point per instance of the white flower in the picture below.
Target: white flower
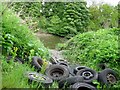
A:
(50, 9)
(40, 10)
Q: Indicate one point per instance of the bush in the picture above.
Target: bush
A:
(27, 9)
(71, 17)
(17, 41)
(103, 16)
(92, 48)
(66, 19)
(17, 37)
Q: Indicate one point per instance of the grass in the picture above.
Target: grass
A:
(17, 34)
(13, 74)
(18, 41)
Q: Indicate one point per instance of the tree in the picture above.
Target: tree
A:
(103, 16)
(74, 17)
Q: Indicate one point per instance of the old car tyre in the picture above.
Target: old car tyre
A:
(63, 63)
(107, 76)
(57, 72)
(102, 66)
(39, 78)
(37, 62)
(71, 69)
(78, 68)
(69, 81)
(62, 60)
(16, 59)
(82, 86)
(88, 74)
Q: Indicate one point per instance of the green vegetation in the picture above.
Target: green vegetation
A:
(17, 35)
(29, 12)
(93, 31)
(66, 19)
(62, 19)
(13, 76)
(18, 41)
(103, 16)
(92, 48)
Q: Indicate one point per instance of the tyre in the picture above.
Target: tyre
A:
(78, 68)
(37, 62)
(107, 76)
(57, 72)
(88, 74)
(62, 60)
(63, 63)
(39, 78)
(69, 81)
(102, 66)
(71, 69)
(82, 86)
(16, 59)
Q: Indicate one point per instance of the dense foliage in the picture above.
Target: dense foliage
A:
(27, 9)
(66, 18)
(17, 38)
(58, 18)
(13, 75)
(17, 41)
(99, 45)
(92, 48)
(103, 16)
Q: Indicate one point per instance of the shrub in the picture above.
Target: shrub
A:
(71, 17)
(16, 34)
(17, 41)
(92, 48)
(66, 19)
(27, 9)
(103, 16)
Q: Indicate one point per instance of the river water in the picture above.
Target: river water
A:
(50, 41)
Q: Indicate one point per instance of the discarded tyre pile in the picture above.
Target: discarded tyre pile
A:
(73, 77)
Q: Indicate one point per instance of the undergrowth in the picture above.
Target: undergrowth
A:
(92, 48)
(18, 41)
(16, 34)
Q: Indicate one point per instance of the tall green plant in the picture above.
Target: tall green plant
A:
(92, 48)
(73, 17)
(17, 34)
(103, 16)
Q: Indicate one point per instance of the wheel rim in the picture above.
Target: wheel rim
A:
(57, 73)
(111, 78)
(87, 74)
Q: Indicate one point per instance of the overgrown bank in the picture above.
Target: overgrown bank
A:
(64, 19)
(18, 41)
(92, 48)
(88, 48)
(17, 36)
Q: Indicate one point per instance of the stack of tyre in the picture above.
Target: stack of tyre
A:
(72, 77)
